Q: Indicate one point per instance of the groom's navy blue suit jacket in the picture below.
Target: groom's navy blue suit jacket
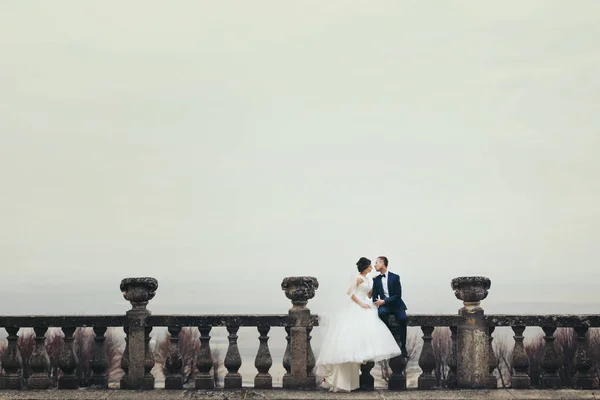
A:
(394, 302)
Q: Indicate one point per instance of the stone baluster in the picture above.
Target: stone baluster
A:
(299, 290)
(452, 379)
(12, 363)
(67, 361)
(39, 362)
(397, 379)
(427, 378)
(233, 360)
(263, 361)
(493, 361)
(174, 362)
(550, 361)
(366, 380)
(138, 291)
(520, 361)
(310, 362)
(148, 380)
(582, 361)
(125, 361)
(204, 362)
(472, 364)
(287, 365)
(99, 361)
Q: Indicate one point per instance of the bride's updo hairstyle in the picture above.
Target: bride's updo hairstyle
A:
(362, 264)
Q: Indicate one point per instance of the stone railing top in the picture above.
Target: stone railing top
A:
(279, 320)
(554, 320)
(227, 320)
(62, 321)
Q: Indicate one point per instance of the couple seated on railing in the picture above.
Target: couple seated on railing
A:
(358, 330)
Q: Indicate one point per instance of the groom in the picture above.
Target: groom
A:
(387, 296)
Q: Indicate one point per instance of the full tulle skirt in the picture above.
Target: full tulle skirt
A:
(352, 336)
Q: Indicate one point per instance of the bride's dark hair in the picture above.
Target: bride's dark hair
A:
(363, 263)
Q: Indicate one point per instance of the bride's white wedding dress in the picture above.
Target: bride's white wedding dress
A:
(352, 336)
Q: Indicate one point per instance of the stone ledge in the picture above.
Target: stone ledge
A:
(278, 394)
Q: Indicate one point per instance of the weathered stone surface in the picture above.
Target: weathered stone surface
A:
(472, 352)
(473, 345)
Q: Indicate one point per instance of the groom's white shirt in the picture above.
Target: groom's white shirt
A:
(384, 283)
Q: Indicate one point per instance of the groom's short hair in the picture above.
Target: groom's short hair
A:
(384, 259)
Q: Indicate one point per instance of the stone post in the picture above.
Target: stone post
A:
(299, 289)
(472, 358)
(138, 291)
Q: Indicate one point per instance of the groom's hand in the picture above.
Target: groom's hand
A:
(379, 302)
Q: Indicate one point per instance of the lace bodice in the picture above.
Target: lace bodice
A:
(361, 290)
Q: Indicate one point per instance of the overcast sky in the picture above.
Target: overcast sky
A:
(221, 146)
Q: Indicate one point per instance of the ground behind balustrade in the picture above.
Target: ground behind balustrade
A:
(278, 394)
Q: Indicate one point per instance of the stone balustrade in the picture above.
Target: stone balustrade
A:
(471, 361)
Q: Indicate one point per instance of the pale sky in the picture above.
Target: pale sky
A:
(221, 146)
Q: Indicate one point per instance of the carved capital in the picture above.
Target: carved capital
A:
(139, 291)
(300, 289)
(471, 290)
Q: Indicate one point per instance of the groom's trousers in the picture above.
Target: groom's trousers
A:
(384, 314)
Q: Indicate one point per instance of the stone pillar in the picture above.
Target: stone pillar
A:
(39, 362)
(452, 380)
(582, 361)
(299, 289)
(472, 358)
(263, 361)
(520, 361)
(493, 360)
(11, 362)
(99, 362)
(550, 361)
(427, 360)
(204, 361)
(67, 362)
(174, 362)
(138, 291)
(233, 360)
(397, 379)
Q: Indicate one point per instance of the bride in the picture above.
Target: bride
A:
(353, 336)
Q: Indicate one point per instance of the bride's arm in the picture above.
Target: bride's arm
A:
(353, 297)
